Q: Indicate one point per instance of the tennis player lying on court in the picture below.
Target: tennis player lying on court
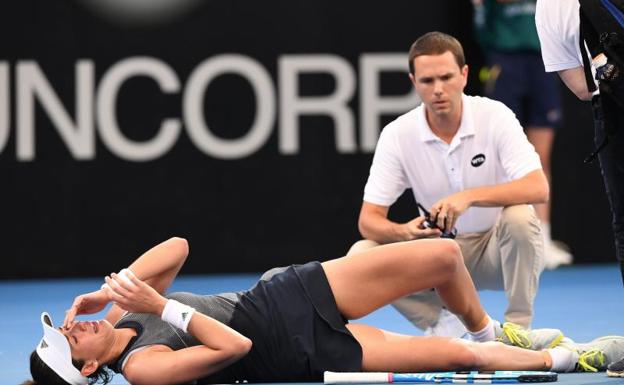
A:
(290, 327)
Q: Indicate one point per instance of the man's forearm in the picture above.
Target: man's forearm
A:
(383, 230)
(574, 79)
(530, 189)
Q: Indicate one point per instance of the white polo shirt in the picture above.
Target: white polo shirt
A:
(489, 148)
(557, 23)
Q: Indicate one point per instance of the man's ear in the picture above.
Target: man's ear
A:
(89, 368)
(412, 78)
(465, 70)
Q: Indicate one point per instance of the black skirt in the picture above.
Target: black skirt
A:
(296, 330)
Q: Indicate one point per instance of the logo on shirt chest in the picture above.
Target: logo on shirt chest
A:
(477, 160)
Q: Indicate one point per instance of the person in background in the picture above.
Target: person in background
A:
(466, 159)
(506, 31)
(558, 27)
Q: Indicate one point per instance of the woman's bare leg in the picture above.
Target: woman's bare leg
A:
(366, 281)
(386, 351)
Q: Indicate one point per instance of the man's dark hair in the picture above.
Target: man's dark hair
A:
(436, 43)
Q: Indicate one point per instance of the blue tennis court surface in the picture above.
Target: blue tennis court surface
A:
(583, 301)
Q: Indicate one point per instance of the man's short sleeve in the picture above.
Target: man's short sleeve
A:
(557, 23)
(516, 154)
(387, 180)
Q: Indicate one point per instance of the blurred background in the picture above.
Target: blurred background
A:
(246, 127)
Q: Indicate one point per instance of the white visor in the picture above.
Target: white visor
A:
(54, 350)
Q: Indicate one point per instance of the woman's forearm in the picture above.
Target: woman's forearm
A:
(219, 336)
(159, 265)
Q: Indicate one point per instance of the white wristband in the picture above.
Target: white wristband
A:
(123, 275)
(177, 314)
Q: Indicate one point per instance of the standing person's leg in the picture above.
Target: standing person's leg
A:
(542, 137)
(612, 165)
(533, 95)
(368, 280)
(543, 118)
(507, 81)
(555, 253)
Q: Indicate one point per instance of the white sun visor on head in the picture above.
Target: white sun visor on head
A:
(54, 350)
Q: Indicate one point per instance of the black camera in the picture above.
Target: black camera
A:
(430, 223)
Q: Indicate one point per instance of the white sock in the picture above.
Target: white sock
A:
(486, 334)
(563, 360)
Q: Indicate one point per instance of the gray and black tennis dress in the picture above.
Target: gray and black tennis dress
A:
(291, 318)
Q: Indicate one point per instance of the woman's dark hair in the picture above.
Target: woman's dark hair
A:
(42, 374)
(436, 43)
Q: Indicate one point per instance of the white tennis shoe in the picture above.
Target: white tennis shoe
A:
(598, 354)
(534, 339)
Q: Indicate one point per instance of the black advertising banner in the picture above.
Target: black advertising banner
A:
(246, 127)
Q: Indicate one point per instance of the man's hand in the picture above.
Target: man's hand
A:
(446, 211)
(89, 303)
(135, 296)
(416, 229)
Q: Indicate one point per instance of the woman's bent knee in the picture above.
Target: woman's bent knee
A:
(450, 257)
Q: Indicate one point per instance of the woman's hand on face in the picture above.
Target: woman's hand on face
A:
(134, 296)
(88, 303)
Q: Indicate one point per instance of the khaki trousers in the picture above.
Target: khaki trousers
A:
(509, 257)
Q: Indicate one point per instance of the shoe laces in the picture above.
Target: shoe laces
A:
(516, 334)
(589, 359)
